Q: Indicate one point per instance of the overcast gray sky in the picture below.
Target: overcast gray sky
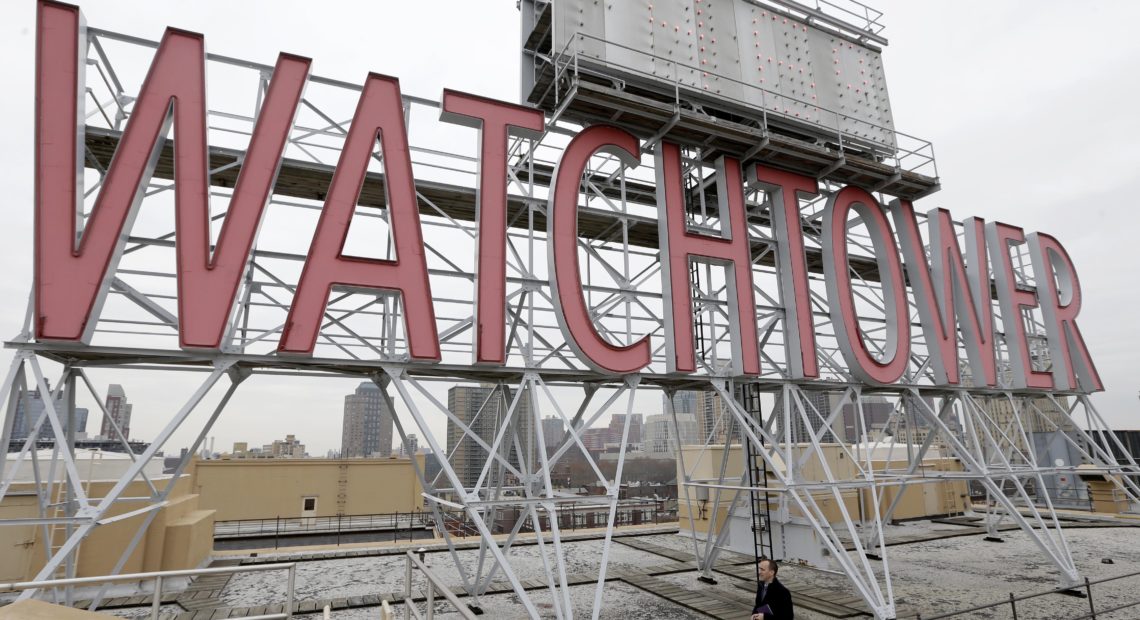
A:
(1031, 107)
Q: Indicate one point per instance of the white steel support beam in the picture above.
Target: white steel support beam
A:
(559, 593)
(397, 376)
(855, 564)
(1049, 540)
(14, 378)
(382, 381)
(614, 490)
(52, 415)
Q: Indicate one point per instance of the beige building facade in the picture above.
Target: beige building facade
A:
(181, 535)
(699, 512)
(291, 488)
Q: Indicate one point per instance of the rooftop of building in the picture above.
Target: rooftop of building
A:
(938, 566)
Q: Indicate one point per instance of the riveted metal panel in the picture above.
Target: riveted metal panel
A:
(587, 17)
(825, 56)
(860, 93)
(718, 50)
(673, 42)
(630, 28)
(794, 64)
(757, 48)
(879, 105)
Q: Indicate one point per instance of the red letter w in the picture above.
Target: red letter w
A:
(74, 268)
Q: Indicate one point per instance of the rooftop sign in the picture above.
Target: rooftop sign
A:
(951, 289)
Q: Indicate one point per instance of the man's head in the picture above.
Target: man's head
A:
(768, 569)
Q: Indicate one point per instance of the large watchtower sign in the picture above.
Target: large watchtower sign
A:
(694, 195)
(75, 268)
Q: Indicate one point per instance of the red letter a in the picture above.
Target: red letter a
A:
(379, 111)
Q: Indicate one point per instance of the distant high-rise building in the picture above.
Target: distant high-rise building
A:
(80, 423)
(482, 409)
(595, 439)
(409, 447)
(431, 465)
(367, 427)
(1039, 415)
(817, 405)
(684, 403)
(553, 429)
(119, 410)
(713, 418)
(28, 411)
(707, 410)
(658, 435)
(876, 419)
(617, 425)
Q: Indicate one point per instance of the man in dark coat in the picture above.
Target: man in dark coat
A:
(773, 601)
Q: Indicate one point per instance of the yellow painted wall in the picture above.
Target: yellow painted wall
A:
(17, 543)
(268, 488)
(920, 500)
(923, 499)
(22, 548)
(703, 465)
(1106, 495)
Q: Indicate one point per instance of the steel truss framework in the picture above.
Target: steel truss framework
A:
(363, 336)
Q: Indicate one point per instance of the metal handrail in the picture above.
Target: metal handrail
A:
(567, 60)
(323, 524)
(433, 583)
(158, 577)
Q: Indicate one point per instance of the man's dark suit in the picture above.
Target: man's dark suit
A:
(777, 598)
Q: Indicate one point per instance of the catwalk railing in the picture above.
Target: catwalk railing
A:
(405, 525)
(297, 526)
(159, 577)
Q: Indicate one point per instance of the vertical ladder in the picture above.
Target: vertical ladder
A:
(757, 477)
(698, 316)
(57, 533)
(950, 498)
(342, 490)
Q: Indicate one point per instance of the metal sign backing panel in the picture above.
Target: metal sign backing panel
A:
(719, 50)
(854, 84)
(671, 49)
(631, 37)
(747, 53)
(573, 17)
(757, 48)
(794, 64)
